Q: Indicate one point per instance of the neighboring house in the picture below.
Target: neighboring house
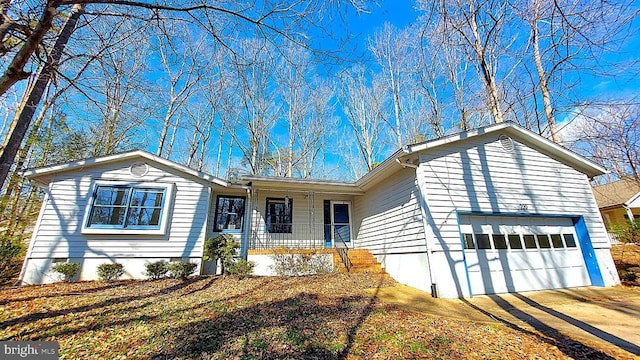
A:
(618, 201)
(492, 210)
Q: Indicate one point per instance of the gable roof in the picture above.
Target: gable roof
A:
(43, 175)
(545, 146)
(616, 193)
(402, 158)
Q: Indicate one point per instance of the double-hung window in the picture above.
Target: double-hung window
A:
(126, 207)
(279, 215)
(229, 213)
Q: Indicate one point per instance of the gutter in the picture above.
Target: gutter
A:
(406, 164)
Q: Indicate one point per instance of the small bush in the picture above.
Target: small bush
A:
(110, 271)
(291, 262)
(241, 268)
(223, 247)
(157, 270)
(181, 270)
(68, 269)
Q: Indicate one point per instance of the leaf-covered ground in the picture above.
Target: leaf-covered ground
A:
(317, 317)
(627, 260)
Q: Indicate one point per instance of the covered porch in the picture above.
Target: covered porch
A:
(299, 215)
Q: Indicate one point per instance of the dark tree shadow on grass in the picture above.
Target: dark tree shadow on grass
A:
(51, 294)
(304, 326)
(34, 317)
(288, 328)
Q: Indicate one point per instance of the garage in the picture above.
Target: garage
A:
(523, 253)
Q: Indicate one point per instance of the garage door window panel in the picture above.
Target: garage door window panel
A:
(468, 241)
(543, 241)
(569, 240)
(483, 241)
(515, 243)
(499, 242)
(556, 240)
(530, 241)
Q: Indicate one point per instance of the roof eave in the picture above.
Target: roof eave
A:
(579, 162)
(293, 184)
(42, 175)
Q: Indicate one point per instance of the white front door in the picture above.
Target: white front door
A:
(341, 223)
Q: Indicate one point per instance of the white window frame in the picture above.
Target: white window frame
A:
(167, 203)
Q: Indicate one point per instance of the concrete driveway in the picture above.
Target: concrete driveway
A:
(603, 317)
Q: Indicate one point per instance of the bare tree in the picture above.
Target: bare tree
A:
(608, 133)
(256, 110)
(476, 27)
(110, 93)
(34, 93)
(363, 105)
(318, 126)
(179, 55)
(563, 35)
(393, 51)
(25, 30)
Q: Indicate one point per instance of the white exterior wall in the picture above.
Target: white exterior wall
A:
(308, 218)
(479, 175)
(388, 222)
(58, 232)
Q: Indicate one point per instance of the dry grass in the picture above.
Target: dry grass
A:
(336, 316)
(627, 260)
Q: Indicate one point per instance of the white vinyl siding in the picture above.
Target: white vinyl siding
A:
(59, 231)
(478, 175)
(307, 219)
(388, 218)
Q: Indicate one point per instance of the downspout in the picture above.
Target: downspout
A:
(423, 205)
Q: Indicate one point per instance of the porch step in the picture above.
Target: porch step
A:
(361, 261)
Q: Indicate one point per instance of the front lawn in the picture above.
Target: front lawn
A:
(317, 317)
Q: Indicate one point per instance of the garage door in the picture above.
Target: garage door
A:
(510, 254)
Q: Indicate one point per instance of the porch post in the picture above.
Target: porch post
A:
(629, 213)
(244, 243)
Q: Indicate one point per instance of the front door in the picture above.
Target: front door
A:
(341, 223)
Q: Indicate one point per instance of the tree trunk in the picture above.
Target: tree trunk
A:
(542, 76)
(32, 97)
(15, 71)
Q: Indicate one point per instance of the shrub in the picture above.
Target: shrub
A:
(181, 270)
(241, 268)
(11, 256)
(628, 233)
(157, 270)
(291, 262)
(110, 271)
(223, 247)
(68, 269)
